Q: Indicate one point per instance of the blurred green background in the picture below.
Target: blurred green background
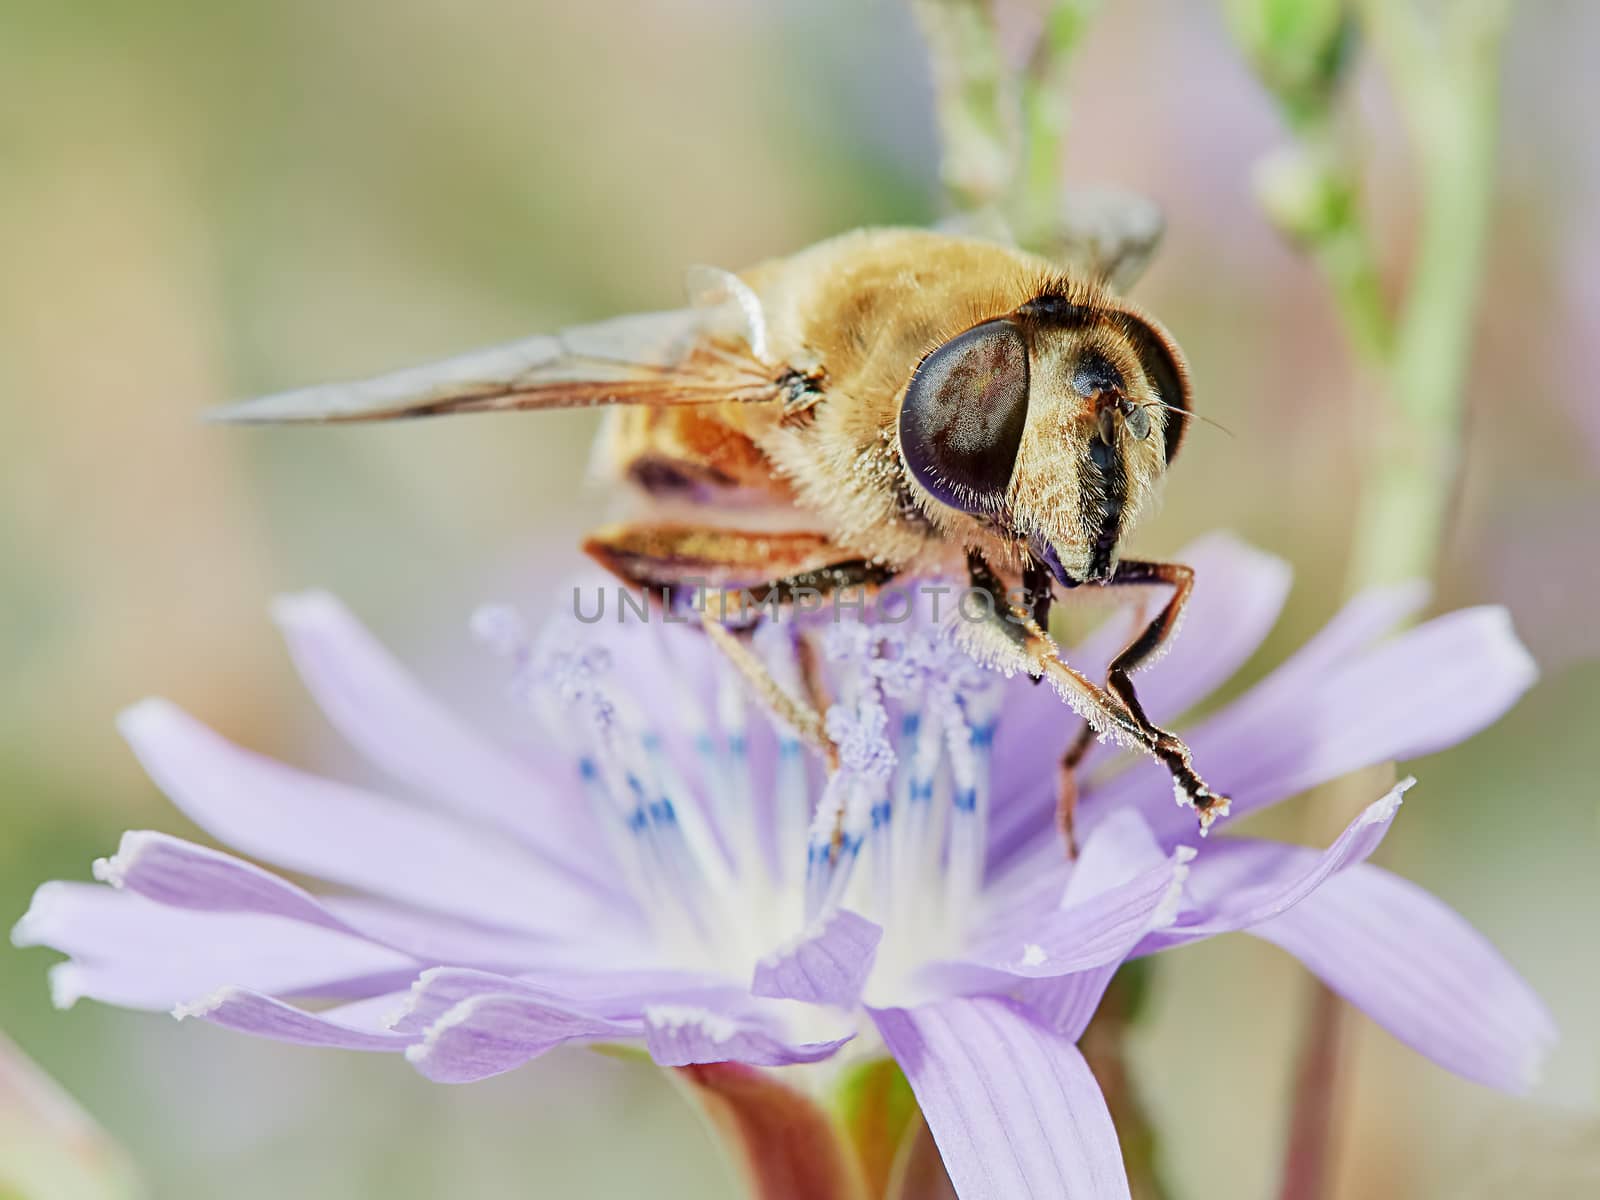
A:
(203, 201)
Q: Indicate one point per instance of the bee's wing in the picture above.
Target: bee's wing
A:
(666, 358)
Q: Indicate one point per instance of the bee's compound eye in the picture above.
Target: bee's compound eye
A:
(962, 420)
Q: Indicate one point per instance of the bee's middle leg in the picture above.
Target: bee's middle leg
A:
(1067, 787)
(689, 561)
(804, 713)
(799, 713)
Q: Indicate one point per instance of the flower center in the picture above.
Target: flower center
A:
(729, 835)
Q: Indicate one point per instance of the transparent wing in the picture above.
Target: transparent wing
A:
(665, 358)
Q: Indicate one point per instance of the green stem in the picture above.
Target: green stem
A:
(1002, 133)
(1448, 87)
(1036, 202)
(1445, 76)
(1446, 80)
(1345, 253)
(974, 99)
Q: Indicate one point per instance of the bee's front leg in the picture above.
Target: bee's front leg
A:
(1167, 747)
(1019, 640)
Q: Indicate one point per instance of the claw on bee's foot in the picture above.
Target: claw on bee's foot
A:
(1208, 808)
(1188, 789)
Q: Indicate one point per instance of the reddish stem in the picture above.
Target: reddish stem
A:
(1308, 1157)
(788, 1147)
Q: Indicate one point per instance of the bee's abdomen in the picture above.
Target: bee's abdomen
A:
(687, 455)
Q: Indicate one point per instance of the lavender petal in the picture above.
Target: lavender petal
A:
(1118, 852)
(435, 938)
(131, 951)
(829, 965)
(347, 835)
(682, 1035)
(247, 1011)
(1099, 930)
(1013, 1107)
(1427, 689)
(614, 995)
(180, 874)
(382, 711)
(491, 1033)
(1418, 969)
(1065, 1005)
(1241, 882)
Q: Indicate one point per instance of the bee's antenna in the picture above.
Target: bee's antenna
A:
(1184, 412)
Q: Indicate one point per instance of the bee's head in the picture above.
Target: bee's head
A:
(1052, 425)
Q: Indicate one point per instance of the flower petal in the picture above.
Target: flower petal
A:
(433, 938)
(1026, 823)
(681, 1035)
(134, 952)
(493, 1033)
(615, 995)
(1066, 1005)
(1241, 882)
(380, 709)
(1417, 968)
(181, 874)
(347, 835)
(1098, 931)
(827, 965)
(248, 1011)
(1119, 853)
(1352, 631)
(1420, 692)
(1119, 848)
(1013, 1107)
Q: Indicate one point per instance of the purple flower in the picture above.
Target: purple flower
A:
(668, 867)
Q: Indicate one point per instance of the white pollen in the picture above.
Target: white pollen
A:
(205, 1005)
(108, 870)
(1385, 809)
(1172, 900)
(673, 1017)
(1033, 955)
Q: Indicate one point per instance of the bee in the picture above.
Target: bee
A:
(924, 402)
